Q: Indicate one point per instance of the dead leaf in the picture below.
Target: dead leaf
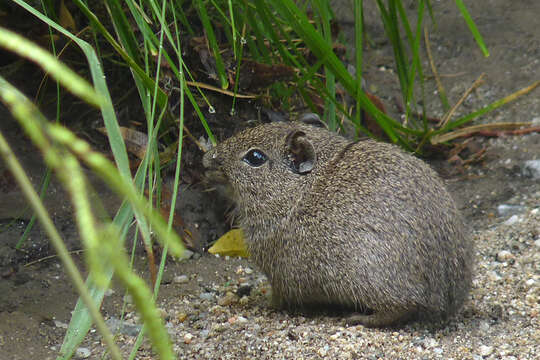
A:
(136, 141)
(230, 244)
(65, 19)
(255, 75)
(369, 122)
(188, 233)
(477, 129)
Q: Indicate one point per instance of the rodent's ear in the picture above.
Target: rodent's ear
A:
(300, 152)
(312, 119)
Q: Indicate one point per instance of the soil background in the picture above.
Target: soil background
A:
(217, 307)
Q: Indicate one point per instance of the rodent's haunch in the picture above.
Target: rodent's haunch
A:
(356, 225)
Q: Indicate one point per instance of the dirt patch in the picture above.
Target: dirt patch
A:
(501, 319)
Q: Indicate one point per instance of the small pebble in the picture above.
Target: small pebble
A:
(430, 343)
(485, 350)
(244, 300)
(206, 296)
(512, 220)
(123, 327)
(493, 276)
(504, 255)
(181, 317)
(82, 353)
(484, 326)
(188, 338)
(181, 279)
(60, 324)
(506, 210)
(531, 168)
(229, 299)
(323, 351)
(186, 254)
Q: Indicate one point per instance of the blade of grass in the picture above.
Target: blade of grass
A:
(298, 20)
(329, 109)
(414, 45)
(23, 47)
(440, 87)
(182, 86)
(454, 108)
(152, 40)
(81, 322)
(265, 17)
(23, 110)
(472, 27)
(389, 17)
(104, 252)
(148, 82)
(212, 43)
(359, 43)
(494, 105)
(478, 128)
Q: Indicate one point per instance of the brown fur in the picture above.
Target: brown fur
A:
(360, 225)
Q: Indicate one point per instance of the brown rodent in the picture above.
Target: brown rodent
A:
(356, 225)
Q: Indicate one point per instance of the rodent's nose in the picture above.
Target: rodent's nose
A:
(210, 159)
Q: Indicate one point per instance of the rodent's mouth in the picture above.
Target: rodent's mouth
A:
(215, 176)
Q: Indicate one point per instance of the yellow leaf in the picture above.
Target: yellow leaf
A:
(230, 244)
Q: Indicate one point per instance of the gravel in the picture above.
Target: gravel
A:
(500, 320)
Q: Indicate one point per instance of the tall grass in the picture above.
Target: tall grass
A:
(150, 36)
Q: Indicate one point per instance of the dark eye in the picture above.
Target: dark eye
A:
(255, 158)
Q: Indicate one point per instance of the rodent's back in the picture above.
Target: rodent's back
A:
(394, 225)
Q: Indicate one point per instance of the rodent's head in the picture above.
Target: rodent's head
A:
(264, 164)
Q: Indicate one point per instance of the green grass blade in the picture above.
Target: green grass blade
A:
(60, 72)
(212, 42)
(27, 114)
(359, 45)
(329, 108)
(80, 322)
(148, 82)
(472, 27)
(320, 48)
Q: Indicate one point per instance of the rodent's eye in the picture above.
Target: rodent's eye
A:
(255, 158)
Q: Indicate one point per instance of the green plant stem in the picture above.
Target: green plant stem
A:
(71, 269)
(359, 43)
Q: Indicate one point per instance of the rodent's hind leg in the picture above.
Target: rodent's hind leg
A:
(379, 319)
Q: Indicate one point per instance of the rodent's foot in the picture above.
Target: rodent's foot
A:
(276, 301)
(378, 319)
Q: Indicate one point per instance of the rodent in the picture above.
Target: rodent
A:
(340, 224)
